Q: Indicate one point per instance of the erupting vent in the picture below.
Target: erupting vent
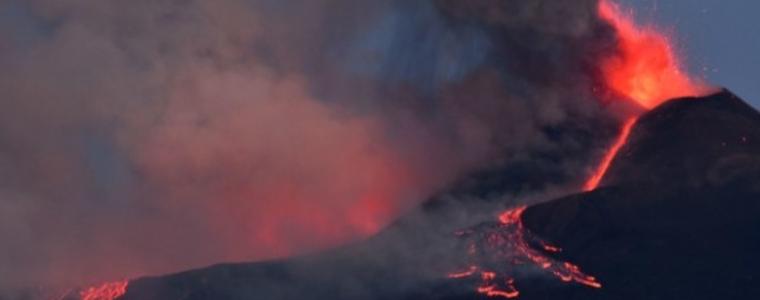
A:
(644, 68)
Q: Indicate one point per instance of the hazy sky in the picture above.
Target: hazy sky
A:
(719, 38)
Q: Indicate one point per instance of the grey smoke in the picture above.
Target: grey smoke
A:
(144, 137)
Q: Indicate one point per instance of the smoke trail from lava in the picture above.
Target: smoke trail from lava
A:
(145, 137)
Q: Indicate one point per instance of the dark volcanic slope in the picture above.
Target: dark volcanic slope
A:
(678, 218)
(702, 141)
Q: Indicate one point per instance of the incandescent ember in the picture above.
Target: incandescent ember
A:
(496, 250)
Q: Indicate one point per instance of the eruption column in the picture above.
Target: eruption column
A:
(644, 67)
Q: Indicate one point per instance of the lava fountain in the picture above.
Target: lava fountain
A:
(644, 67)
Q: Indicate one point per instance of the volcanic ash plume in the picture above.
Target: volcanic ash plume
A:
(143, 137)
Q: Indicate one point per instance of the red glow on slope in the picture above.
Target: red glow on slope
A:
(106, 291)
(491, 289)
(645, 68)
(470, 271)
(593, 182)
(495, 252)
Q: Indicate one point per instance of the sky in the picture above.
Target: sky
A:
(720, 39)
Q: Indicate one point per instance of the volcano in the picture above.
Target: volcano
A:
(674, 217)
(677, 215)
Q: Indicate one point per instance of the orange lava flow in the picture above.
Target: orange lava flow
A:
(644, 67)
(106, 291)
(593, 182)
(566, 271)
(493, 290)
(464, 274)
(495, 252)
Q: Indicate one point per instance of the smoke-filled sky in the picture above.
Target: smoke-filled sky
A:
(143, 137)
(719, 39)
(150, 136)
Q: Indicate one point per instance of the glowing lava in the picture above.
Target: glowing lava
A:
(106, 291)
(644, 67)
(593, 182)
(495, 251)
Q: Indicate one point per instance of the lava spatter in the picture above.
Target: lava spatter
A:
(644, 67)
(496, 250)
(105, 291)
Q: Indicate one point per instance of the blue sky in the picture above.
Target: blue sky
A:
(720, 39)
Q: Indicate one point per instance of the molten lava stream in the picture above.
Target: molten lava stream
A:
(593, 182)
(644, 67)
(508, 242)
(497, 250)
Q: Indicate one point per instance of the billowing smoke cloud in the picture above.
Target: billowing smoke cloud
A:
(141, 137)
